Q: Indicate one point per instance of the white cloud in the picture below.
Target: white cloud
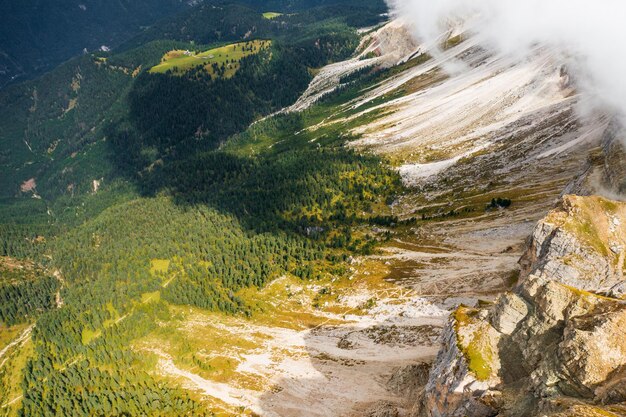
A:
(591, 34)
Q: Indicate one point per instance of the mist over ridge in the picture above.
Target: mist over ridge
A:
(587, 35)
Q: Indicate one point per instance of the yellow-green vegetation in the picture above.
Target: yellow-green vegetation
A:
(271, 15)
(159, 266)
(283, 303)
(218, 62)
(289, 303)
(586, 294)
(88, 335)
(207, 344)
(589, 219)
(11, 374)
(212, 345)
(151, 297)
(475, 342)
(8, 334)
(453, 41)
(583, 410)
(115, 315)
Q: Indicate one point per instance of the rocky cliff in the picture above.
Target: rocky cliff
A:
(614, 163)
(581, 243)
(554, 345)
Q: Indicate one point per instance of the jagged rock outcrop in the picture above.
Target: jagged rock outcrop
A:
(581, 243)
(409, 382)
(605, 170)
(465, 369)
(571, 343)
(556, 344)
(614, 164)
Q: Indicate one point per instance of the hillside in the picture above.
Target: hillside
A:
(223, 61)
(334, 225)
(101, 139)
(36, 36)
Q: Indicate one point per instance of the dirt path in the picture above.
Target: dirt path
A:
(224, 392)
(13, 401)
(23, 337)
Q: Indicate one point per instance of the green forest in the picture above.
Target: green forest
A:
(152, 190)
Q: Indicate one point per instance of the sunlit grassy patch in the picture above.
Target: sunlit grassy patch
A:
(88, 335)
(8, 334)
(151, 297)
(199, 343)
(286, 303)
(179, 62)
(115, 315)
(13, 364)
(475, 342)
(159, 266)
(271, 15)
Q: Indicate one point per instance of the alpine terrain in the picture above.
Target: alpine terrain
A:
(302, 208)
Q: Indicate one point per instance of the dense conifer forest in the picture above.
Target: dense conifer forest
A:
(150, 191)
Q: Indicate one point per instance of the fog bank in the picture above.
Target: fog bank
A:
(590, 35)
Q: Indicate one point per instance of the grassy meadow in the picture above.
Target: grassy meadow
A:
(271, 15)
(179, 61)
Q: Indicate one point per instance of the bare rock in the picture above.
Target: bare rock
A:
(593, 352)
(614, 152)
(464, 375)
(579, 244)
(409, 379)
(509, 311)
(383, 409)
(556, 345)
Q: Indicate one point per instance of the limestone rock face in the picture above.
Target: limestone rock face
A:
(580, 243)
(510, 310)
(465, 370)
(556, 344)
(552, 339)
(614, 152)
(594, 353)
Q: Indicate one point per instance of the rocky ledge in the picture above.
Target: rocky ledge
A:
(556, 344)
(581, 243)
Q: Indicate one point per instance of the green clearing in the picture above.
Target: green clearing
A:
(271, 15)
(149, 297)
(13, 364)
(159, 266)
(115, 315)
(88, 335)
(222, 61)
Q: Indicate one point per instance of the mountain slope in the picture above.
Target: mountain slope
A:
(306, 262)
(66, 135)
(551, 346)
(37, 35)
